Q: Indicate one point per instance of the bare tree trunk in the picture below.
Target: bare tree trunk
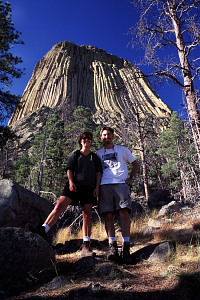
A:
(143, 159)
(41, 171)
(190, 95)
(133, 106)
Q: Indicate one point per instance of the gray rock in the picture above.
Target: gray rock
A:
(105, 269)
(84, 265)
(171, 208)
(157, 223)
(58, 282)
(149, 231)
(159, 198)
(22, 253)
(19, 206)
(160, 253)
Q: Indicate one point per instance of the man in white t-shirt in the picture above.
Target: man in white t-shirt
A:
(115, 191)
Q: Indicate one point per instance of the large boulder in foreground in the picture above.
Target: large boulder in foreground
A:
(22, 254)
(19, 206)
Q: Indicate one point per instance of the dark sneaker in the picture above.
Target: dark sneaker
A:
(37, 229)
(113, 254)
(125, 254)
(86, 250)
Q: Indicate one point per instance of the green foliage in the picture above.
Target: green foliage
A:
(8, 61)
(5, 134)
(22, 168)
(43, 169)
(7, 152)
(170, 141)
(176, 152)
(97, 143)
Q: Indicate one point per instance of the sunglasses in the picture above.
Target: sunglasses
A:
(86, 138)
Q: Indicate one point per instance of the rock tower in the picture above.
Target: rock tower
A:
(90, 77)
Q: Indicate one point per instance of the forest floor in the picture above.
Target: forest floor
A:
(175, 278)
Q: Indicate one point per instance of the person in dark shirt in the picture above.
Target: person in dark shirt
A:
(84, 171)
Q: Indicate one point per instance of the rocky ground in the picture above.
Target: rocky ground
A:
(92, 278)
(165, 262)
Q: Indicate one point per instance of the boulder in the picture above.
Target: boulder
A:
(136, 209)
(170, 209)
(22, 254)
(161, 252)
(154, 252)
(159, 198)
(158, 223)
(19, 206)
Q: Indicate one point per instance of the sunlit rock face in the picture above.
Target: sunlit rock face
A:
(90, 77)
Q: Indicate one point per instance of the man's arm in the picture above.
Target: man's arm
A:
(135, 169)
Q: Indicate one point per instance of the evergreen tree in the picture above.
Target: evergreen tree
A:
(8, 62)
(43, 169)
(21, 170)
(7, 151)
(177, 155)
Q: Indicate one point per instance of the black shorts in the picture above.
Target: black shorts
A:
(83, 195)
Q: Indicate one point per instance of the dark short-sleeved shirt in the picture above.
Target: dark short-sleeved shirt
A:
(84, 168)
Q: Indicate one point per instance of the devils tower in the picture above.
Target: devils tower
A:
(90, 77)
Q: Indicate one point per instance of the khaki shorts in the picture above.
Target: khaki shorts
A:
(114, 197)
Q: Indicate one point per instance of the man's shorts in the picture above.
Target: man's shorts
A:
(83, 195)
(114, 197)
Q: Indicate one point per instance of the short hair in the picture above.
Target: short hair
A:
(107, 128)
(85, 134)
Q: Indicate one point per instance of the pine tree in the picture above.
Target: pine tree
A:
(44, 167)
(177, 154)
(8, 62)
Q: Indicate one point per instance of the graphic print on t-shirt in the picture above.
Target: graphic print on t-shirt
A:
(110, 160)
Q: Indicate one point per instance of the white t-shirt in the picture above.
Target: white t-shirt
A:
(115, 168)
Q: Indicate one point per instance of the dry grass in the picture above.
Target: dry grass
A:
(180, 232)
(98, 232)
(64, 234)
(186, 257)
(173, 278)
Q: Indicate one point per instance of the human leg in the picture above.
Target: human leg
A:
(52, 218)
(113, 254)
(125, 229)
(87, 220)
(60, 207)
(123, 205)
(109, 223)
(87, 225)
(124, 215)
(86, 194)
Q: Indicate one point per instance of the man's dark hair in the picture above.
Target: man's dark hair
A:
(107, 128)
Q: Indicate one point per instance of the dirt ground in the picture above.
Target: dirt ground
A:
(92, 278)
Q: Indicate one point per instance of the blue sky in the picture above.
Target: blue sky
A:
(104, 24)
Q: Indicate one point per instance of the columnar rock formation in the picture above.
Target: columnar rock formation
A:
(90, 77)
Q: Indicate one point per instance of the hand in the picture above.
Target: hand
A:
(96, 192)
(130, 180)
(72, 187)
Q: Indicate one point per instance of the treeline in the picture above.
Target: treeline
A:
(165, 150)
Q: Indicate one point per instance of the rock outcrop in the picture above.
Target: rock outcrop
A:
(22, 254)
(19, 206)
(89, 77)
